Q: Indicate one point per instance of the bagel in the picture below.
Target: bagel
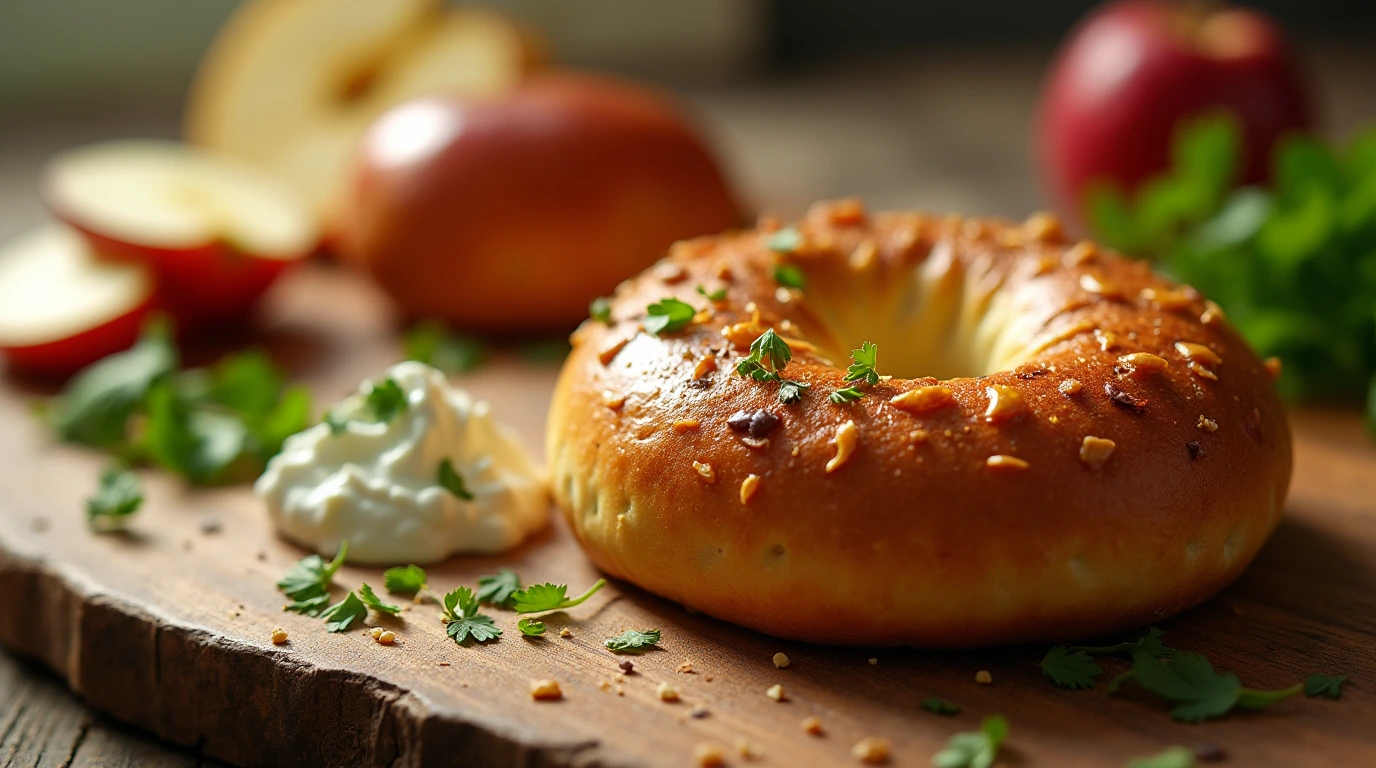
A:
(1068, 444)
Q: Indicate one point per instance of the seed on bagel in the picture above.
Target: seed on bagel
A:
(1206, 424)
(1171, 301)
(609, 352)
(1201, 371)
(846, 438)
(749, 486)
(1043, 227)
(705, 366)
(1095, 451)
(705, 471)
(1070, 387)
(1123, 399)
(1004, 462)
(923, 399)
(1100, 286)
(1198, 353)
(1005, 404)
(1142, 364)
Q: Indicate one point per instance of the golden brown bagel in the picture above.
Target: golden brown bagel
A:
(993, 511)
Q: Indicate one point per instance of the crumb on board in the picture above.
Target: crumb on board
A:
(776, 692)
(545, 690)
(873, 661)
(871, 750)
(780, 660)
(279, 636)
(709, 755)
(667, 692)
(565, 632)
(983, 677)
(686, 667)
(627, 666)
(812, 725)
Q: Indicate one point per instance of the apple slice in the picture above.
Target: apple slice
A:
(215, 231)
(291, 86)
(60, 308)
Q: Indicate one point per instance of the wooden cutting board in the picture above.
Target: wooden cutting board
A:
(167, 626)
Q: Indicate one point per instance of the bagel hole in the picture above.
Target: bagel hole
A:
(940, 318)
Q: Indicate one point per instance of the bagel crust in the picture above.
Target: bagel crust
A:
(1069, 444)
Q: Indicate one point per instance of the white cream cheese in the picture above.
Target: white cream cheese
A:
(377, 484)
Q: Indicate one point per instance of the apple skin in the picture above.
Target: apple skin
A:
(1133, 69)
(510, 214)
(63, 357)
(200, 287)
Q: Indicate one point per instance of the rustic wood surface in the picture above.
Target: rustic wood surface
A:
(148, 627)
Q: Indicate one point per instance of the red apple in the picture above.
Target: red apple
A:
(512, 213)
(1133, 69)
(215, 232)
(61, 309)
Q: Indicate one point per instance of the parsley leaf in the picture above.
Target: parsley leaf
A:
(307, 582)
(498, 588)
(404, 579)
(632, 641)
(385, 400)
(786, 240)
(862, 367)
(1324, 685)
(717, 295)
(847, 395)
(601, 310)
(340, 616)
(789, 276)
(539, 598)
(530, 627)
(451, 481)
(431, 342)
(95, 407)
(791, 391)
(199, 443)
(1148, 643)
(668, 315)
(1189, 681)
(1173, 757)
(463, 621)
(370, 599)
(977, 749)
(1070, 669)
(117, 497)
(769, 354)
(939, 706)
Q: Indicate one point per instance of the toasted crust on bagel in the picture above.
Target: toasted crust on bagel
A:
(1106, 450)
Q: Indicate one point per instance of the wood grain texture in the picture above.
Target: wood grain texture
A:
(166, 627)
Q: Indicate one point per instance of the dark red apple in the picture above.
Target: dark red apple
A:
(512, 213)
(1133, 69)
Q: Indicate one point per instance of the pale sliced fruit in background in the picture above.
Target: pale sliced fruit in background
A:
(291, 84)
(216, 231)
(60, 308)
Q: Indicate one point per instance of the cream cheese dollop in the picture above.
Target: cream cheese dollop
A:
(377, 484)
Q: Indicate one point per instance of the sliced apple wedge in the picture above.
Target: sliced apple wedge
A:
(291, 84)
(60, 308)
(216, 231)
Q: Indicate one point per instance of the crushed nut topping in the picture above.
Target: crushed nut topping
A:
(983, 677)
(613, 400)
(545, 690)
(1207, 424)
(709, 755)
(776, 692)
(741, 334)
(1070, 387)
(686, 425)
(1080, 254)
(755, 423)
(780, 660)
(1171, 301)
(812, 724)
(1198, 353)
(686, 668)
(749, 486)
(1143, 364)
(1004, 462)
(1123, 399)
(1108, 340)
(705, 366)
(1095, 451)
(872, 750)
(279, 636)
(1005, 404)
(1043, 227)
(609, 352)
(1201, 371)
(847, 436)
(1213, 314)
(922, 399)
(1273, 367)
(705, 471)
(1100, 287)
(666, 692)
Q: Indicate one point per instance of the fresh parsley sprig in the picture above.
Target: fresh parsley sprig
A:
(974, 749)
(634, 641)
(769, 355)
(539, 598)
(862, 370)
(404, 579)
(118, 496)
(668, 315)
(1071, 666)
(383, 402)
(307, 582)
(463, 621)
(499, 588)
(1189, 682)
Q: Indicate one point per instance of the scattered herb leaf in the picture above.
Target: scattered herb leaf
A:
(539, 598)
(668, 315)
(1324, 685)
(601, 310)
(1189, 681)
(939, 706)
(1070, 669)
(1148, 643)
(974, 749)
(789, 276)
(117, 498)
(717, 295)
(791, 391)
(340, 616)
(404, 579)
(369, 598)
(633, 641)
(863, 363)
(95, 407)
(463, 621)
(385, 400)
(307, 582)
(451, 481)
(847, 395)
(1172, 757)
(531, 627)
(499, 588)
